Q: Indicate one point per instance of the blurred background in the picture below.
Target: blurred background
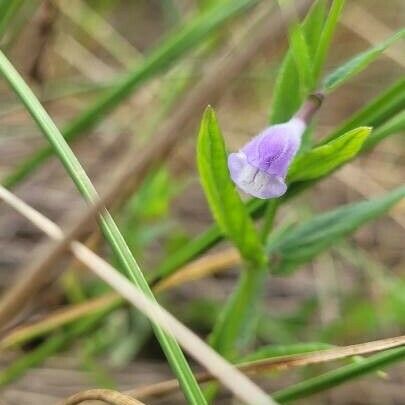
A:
(71, 51)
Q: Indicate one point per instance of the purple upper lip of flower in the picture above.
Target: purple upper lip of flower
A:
(261, 166)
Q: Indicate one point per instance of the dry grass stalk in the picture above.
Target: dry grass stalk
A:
(278, 363)
(200, 268)
(228, 375)
(108, 396)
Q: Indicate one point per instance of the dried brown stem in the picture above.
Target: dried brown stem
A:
(177, 126)
(278, 363)
(202, 267)
(108, 396)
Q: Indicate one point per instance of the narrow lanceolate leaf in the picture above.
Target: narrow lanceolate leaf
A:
(315, 235)
(158, 60)
(110, 229)
(225, 202)
(324, 159)
(340, 375)
(327, 35)
(313, 24)
(300, 52)
(358, 63)
(235, 321)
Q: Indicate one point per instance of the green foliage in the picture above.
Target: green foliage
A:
(326, 36)
(327, 157)
(292, 77)
(310, 238)
(300, 52)
(110, 229)
(235, 322)
(225, 203)
(358, 63)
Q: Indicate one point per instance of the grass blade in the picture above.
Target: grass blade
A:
(358, 63)
(111, 231)
(235, 381)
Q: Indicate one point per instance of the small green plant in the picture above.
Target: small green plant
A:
(245, 191)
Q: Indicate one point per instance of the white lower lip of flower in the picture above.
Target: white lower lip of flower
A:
(257, 182)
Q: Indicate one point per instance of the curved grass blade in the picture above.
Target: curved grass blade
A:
(358, 63)
(158, 60)
(110, 229)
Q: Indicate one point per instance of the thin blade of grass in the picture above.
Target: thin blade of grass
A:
(110, 229)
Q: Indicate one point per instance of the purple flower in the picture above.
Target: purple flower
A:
(261, 166)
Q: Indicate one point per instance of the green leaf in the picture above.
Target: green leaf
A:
(358, 63)
(327, 35)
(340, 375)
(235, 322)
(287, 94)
(224, 200)
(300, 52)
(319, 233)
(109, 227)
(270, 351)
(313, 24)
(324, 159)
(161, 58)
